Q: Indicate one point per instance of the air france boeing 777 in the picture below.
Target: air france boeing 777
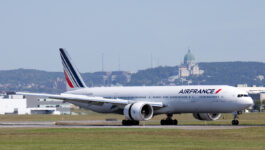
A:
(141, 103)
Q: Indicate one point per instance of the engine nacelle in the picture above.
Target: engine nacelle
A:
(138, 111)
(207, 116)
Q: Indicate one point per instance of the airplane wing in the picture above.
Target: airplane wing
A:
(88, 99)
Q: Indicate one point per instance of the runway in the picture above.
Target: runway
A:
(110, 124)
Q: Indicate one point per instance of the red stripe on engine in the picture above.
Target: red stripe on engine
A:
(68, 80)
(218, 91)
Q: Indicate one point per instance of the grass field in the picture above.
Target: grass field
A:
(126, 139)
(131, 139)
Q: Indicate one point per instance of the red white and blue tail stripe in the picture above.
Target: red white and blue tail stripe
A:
(72, 76)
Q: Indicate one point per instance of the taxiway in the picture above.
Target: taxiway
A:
(109, 124)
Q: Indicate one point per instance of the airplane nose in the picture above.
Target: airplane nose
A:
(249, 102)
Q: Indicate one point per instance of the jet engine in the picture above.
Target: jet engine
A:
(207, 116)
(138, 111)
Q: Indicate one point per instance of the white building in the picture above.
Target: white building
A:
(189, 67)
(13, 104)
(252, 90)
(256, 93)
(18, 104)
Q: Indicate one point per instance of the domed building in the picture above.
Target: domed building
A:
(189, 59)
(189, 67)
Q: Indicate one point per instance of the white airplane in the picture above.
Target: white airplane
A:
(141, 103)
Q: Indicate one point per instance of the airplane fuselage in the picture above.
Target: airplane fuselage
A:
(177, 99)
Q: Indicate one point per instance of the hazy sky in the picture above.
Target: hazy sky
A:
(31, 32)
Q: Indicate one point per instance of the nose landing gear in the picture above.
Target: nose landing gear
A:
(235, 121)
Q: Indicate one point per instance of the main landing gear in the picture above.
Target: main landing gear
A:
(130, 123)
(169, 120)
(235, 121)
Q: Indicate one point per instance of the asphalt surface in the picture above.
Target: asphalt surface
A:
(109, 124)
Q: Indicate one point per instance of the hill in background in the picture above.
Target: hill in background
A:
(222, 73)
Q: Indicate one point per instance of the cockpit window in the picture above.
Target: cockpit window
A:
(242, 95)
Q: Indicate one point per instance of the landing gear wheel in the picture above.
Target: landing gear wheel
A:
(169, 121)
(235, 122)
(162, 122)
(124, 122)
(175, 122)
(130, 123)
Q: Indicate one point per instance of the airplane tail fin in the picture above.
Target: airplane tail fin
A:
(72, 76)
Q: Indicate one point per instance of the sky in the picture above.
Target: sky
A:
(129, 33)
